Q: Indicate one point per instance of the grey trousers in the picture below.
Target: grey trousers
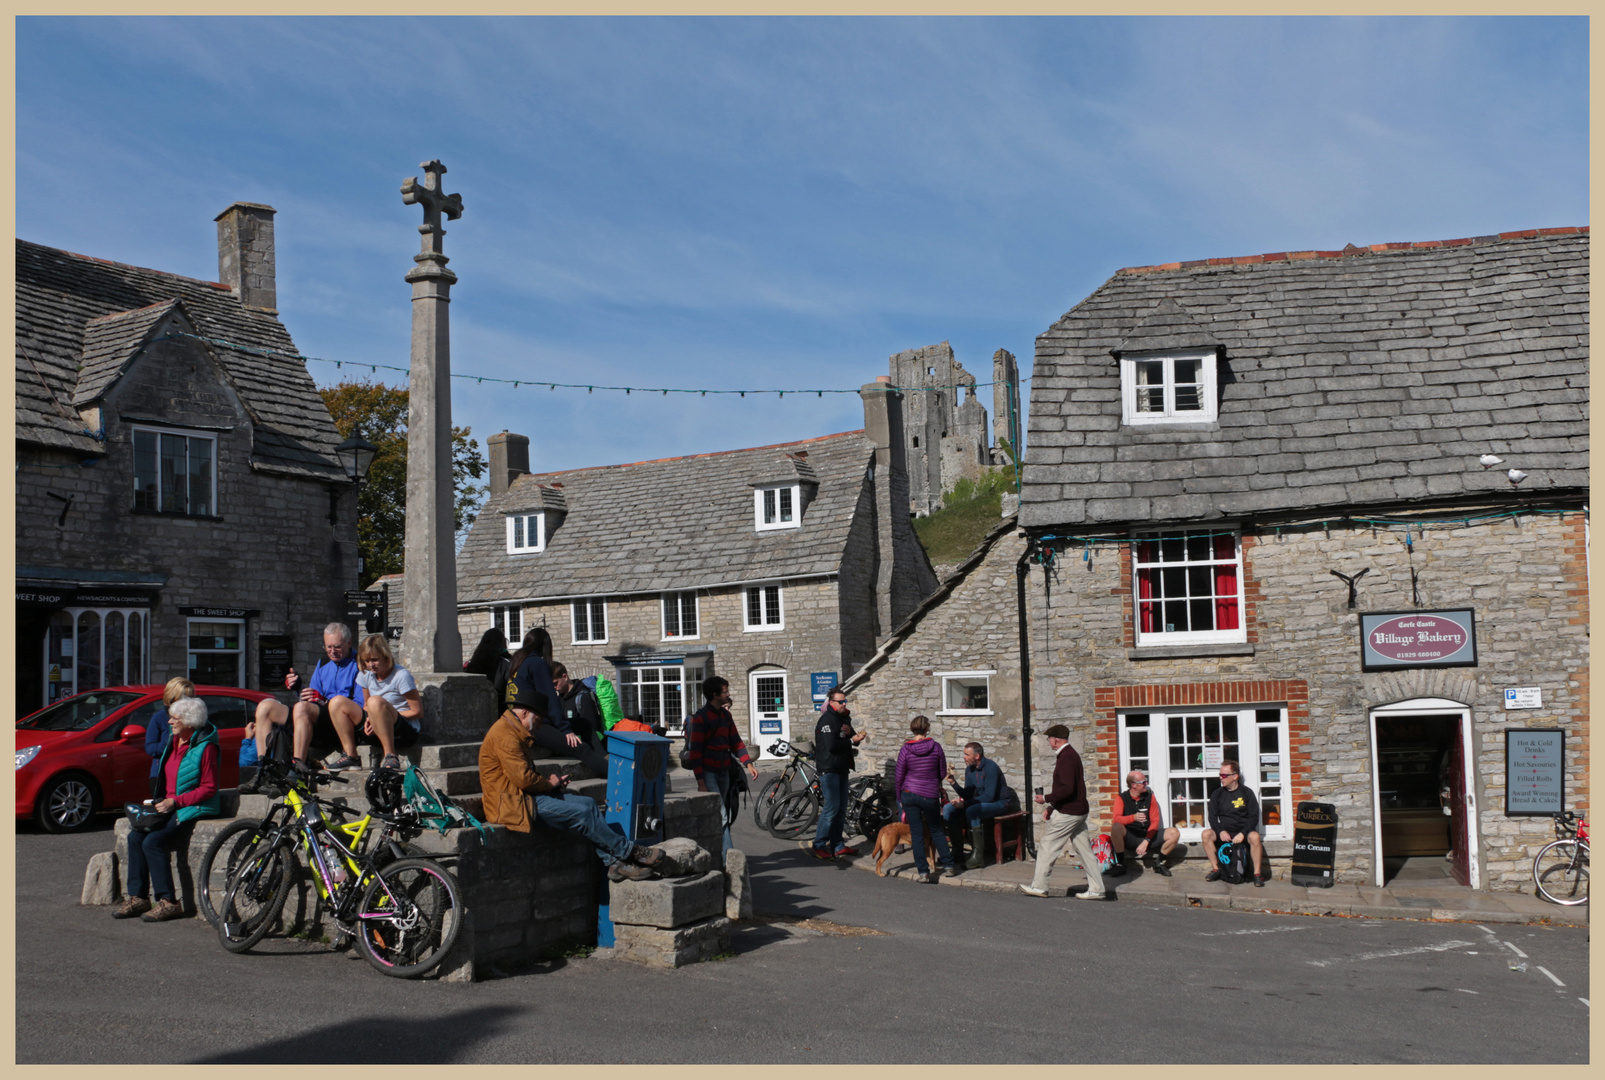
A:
(1067, 830)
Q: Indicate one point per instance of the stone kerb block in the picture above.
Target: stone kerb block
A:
(656, 947)
(667, 903)
(457, 707)
(737, 885)
(683, 857)
(100, 879)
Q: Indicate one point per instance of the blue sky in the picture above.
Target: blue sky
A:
(772, 202)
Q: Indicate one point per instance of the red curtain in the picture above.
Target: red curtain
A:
(1226, 582)
(1147, 552)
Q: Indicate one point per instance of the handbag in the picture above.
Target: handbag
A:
(142, 818)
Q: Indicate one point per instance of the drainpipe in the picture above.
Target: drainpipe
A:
(1021, 570)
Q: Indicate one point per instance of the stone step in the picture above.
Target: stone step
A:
(449, 756)
(464, 781)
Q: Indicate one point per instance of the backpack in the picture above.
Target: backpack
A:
(1233, 860)
(607, 700)
(1104, 851)
(433, 810)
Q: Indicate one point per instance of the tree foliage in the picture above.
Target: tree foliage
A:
(378, 413)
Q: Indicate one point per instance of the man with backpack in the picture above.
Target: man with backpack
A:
(1233, 818)
(713, 749)
(577, 704)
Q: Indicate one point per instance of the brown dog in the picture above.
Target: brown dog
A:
(892, 835)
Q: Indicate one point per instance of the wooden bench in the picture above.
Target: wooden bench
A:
(1018, 843)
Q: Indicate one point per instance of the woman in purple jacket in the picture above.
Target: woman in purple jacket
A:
(920, 768)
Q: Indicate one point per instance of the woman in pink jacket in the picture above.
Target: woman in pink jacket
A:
(920, 768)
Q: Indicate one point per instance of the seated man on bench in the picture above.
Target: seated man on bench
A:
(517, 796)
(983, 797)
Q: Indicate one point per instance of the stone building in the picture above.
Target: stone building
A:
(945, 432)
(1321, 512)
(180, 510)
(780, 568)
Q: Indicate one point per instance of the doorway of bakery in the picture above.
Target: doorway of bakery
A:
(1423, 798)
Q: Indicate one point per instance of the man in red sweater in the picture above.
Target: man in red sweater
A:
(713, 746)
(1139, 827)
(1065, 811)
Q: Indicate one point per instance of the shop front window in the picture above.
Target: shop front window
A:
(664, 694)
(88, 648)
(1182, 752)
(217, 652)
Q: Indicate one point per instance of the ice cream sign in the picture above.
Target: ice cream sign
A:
(1418, 639)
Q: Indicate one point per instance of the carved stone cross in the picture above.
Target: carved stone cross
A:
(431, 193)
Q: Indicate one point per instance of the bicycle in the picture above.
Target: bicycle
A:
(778, 787)
(871, 806)
(1560, 869)
(404, 914)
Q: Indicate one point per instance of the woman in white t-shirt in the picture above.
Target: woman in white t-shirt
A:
(392, 704)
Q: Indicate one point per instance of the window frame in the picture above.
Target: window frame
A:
(945, 677)
(527, 516)
(502, 617)
(764, 627)
(1209, 411)
(135, 430)
(688, 677)
(678, 599)
(591, 602)
(1151, 638)
(135, 650)
(1250, 719)
(794, 490)
(190, 651)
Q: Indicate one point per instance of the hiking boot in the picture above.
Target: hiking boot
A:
(977, 858)
(1213, 875)
(646, 856)
(1160, 868)
(341, 763)
(252, 784)
(1032, 890)
(621, 871)
(1117, 869)
(163, 911)
(133, 905)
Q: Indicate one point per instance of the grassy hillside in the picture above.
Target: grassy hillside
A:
(969, 512)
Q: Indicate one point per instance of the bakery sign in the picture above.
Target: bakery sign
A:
(1405, 639)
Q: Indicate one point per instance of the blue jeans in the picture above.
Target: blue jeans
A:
(833, 785)
(148, 863)
(580, 814)
(922, 813)
(719, 780)
(975, 812)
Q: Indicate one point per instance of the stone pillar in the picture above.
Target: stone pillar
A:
(1006, 420)
(883, 428)
(509, 459)
(245, 256)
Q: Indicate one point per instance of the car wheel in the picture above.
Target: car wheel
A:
(68, 804)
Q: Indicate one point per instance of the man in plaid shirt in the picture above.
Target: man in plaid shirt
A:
(713, 744)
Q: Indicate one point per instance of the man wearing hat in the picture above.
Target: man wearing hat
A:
(516, 795)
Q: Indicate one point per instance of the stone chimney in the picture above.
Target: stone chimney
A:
(903, 574)
(509, 459)
(245, 254)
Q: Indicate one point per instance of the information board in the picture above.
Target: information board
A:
(274, 654)
(1314, 845)
(1535, 772)
(821, 682)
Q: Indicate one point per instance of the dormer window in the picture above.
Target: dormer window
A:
(526, 533)
(777, 507)
(1175, 388)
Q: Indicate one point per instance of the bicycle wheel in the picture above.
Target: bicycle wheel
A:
(874, 814)
(224, 854)
(774, 789)
(255, 896)
(1561, 873)
(409, 917)
(793, 815)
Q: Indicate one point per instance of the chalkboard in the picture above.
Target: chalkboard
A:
(1535, 772)
(1314, 844)
(274, 655)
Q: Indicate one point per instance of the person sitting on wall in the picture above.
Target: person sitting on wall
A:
(157, 732)
(394, 707)
(1138, 830)
(518, 796)
(532, 663)
(331, 692)
(1233, 817)
(576, 704)
(983, 797)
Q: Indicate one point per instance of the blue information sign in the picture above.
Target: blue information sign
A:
(821, 682)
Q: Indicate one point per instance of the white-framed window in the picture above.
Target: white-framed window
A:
(217, 651)
(1181, 752)
(87, 648)
(680, 616)
(589, 618)
(662, 693)
(1188, 587)
(509, 619)
(778, 507)
(966, 693)
(764, 608)
(1168, 389)
(175, 472)
(526, 533)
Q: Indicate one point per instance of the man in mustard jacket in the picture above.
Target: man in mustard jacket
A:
(517, 796)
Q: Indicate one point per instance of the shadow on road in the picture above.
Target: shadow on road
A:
(380, 1040)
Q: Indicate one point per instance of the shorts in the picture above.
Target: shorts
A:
(1133, 838)
(324, 737)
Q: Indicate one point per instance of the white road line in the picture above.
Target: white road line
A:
(1270, 930)
(1484, 929)
(1585, 1003)
(1551, 975)
(1392, 952)
(1467, 991)
(1515, 950)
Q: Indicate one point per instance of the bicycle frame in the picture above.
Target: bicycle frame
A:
(305, 813)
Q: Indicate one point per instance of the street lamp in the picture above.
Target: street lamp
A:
(356, 456)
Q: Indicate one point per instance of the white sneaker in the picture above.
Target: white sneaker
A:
(1032, 890)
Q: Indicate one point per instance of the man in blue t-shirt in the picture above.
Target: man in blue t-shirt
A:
(332, 691)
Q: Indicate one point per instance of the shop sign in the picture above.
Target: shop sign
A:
(1406, 639)
(821, 682)
(1314, 845)
(1524, 697)
(273, 659)
(1535, 772)
(220, 612)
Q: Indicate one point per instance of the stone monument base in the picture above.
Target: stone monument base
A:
(458, 708)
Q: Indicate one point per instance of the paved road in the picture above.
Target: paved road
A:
(942, 975)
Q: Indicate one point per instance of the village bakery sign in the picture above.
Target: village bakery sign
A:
(1403, 639)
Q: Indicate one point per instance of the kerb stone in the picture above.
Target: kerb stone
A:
(668, 903)
(737, 885)
(672, 948)
(682, 857)
(100, 879)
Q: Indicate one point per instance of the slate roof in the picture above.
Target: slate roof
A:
(677, 523)
(1364, 377)
(63, 360)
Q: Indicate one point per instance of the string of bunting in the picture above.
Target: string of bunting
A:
(664, 391)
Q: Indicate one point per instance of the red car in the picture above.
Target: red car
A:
(86, 753)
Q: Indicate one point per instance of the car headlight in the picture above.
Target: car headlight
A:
(26, 754)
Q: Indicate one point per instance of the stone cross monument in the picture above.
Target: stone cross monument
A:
(429, 618)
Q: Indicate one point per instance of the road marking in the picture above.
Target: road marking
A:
(1484, 929)
(1271, 930)
(1392, 952)
(1551, 975)
(1585, 1002)
(1467, 991)
(1517, 951)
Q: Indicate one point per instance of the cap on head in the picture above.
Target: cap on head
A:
(1057, 731)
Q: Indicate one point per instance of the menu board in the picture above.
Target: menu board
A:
(1314, 845)
(1535, 772)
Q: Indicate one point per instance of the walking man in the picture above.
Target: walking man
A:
(834, 739)
(1065, 810)
(713, 744)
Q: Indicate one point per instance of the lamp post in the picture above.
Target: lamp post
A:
(356, 457)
